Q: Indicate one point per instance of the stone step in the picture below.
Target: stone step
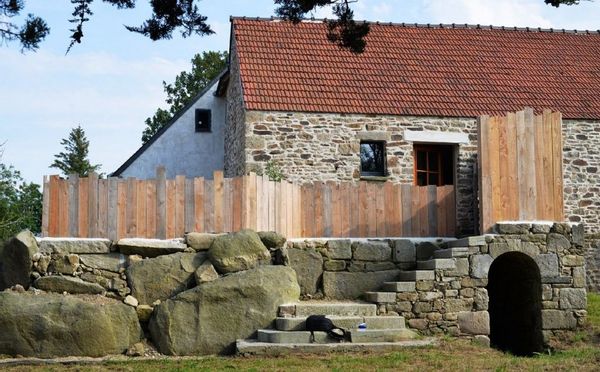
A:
(437, 264)
(451, 252)
(349, 323)
(303, 337)
(303, 309)
(467, 242)
(254, 347)
(398, 287)
(411, 276)
(382, 335)
(379, 297)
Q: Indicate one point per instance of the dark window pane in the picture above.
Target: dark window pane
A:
(372, 158)
(421, 178)
(433, 178)
(421, 160)
(433, 161)
(448, 168)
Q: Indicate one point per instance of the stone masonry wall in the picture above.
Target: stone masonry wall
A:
(321, 147)
(581, 154)
(235, 128)
(454, 299)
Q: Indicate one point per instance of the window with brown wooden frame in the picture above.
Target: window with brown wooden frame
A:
(434, 165)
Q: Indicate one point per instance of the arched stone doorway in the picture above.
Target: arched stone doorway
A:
(515, 307)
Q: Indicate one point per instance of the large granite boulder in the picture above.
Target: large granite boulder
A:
(75, 245)
(342, 285)
(200, 241)
(163, 277)
(150, 247)
(69, 284)
(209, 318)
(308, 264)
(16, 260)
(272, 239)
(53, 325)
(238, 251)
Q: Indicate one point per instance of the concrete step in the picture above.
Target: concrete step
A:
(451, 252)
(350, 322)
(303, 309)
(379, 297)
(303, 337)
(254, 347)
(398, 287)
(467, 242)
(382, 335)
(437, 264)
(411, 276)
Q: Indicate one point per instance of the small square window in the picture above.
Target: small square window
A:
(434, 165)
(372, 158)
(203, 120)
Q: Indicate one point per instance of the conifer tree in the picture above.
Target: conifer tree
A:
(75, 158)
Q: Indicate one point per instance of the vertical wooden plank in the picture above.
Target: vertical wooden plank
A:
(189, 205)
(353, 196)
(289, 208)
(407, 215)
(209, 210)
(485, 184)
(319, 210)
(227, 205)
(218, 203)
(494, 170)
(547, 165)
(130, 206)
(503, 183)
(557, 165)
(272, 192)
(140, 208)
(171, 209)
(392, 210)
(432, 210)
(73, 206)
(441, 195)
(93, 205)
(121, 209)
(252, 201)
(83, 207)
(63, 210)
(161, 203)
(53, 213)
(282, 207)
(308, 211)
(336, 208)
(179, 206)
(328, 209)
(345, 200)
(371, 209)
(424, 211)
(363, 213)
(45, 206)
(199, 204)
(522, 154)
(151, 212)
(414, 206)
(102, 209)
(260, 203)
(451, 211)
(380, 211)
(297, 211)
(512, 168)
(530, 165)
(539, 146)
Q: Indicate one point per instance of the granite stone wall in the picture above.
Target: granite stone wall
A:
(235, 129)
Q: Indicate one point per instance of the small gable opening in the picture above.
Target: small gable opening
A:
(203, 120)
(515, 305)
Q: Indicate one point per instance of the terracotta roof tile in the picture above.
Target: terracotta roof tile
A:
(410, 70)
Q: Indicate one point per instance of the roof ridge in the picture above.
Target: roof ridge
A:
(432, 25)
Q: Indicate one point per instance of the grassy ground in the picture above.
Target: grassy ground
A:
(578, 351)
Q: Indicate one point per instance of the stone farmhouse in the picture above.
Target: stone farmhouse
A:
(405, 110)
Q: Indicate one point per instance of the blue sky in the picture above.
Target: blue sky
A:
(113, 80)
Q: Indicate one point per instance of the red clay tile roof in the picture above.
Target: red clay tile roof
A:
(409, 70)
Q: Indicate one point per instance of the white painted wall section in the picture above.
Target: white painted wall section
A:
(435, 137)
(182, 150)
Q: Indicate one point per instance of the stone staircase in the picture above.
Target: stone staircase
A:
(289, 335)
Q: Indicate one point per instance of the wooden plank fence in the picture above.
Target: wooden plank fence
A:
(520, 168)
(117, 208)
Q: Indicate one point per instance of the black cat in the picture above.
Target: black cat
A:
(321, 323)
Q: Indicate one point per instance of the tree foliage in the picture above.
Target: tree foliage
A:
(169, 16)
(20, 203)
(205, 67)
(74, 160)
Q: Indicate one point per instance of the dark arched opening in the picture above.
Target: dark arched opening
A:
(515, 307)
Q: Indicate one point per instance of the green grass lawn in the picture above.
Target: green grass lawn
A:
(579, 351)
